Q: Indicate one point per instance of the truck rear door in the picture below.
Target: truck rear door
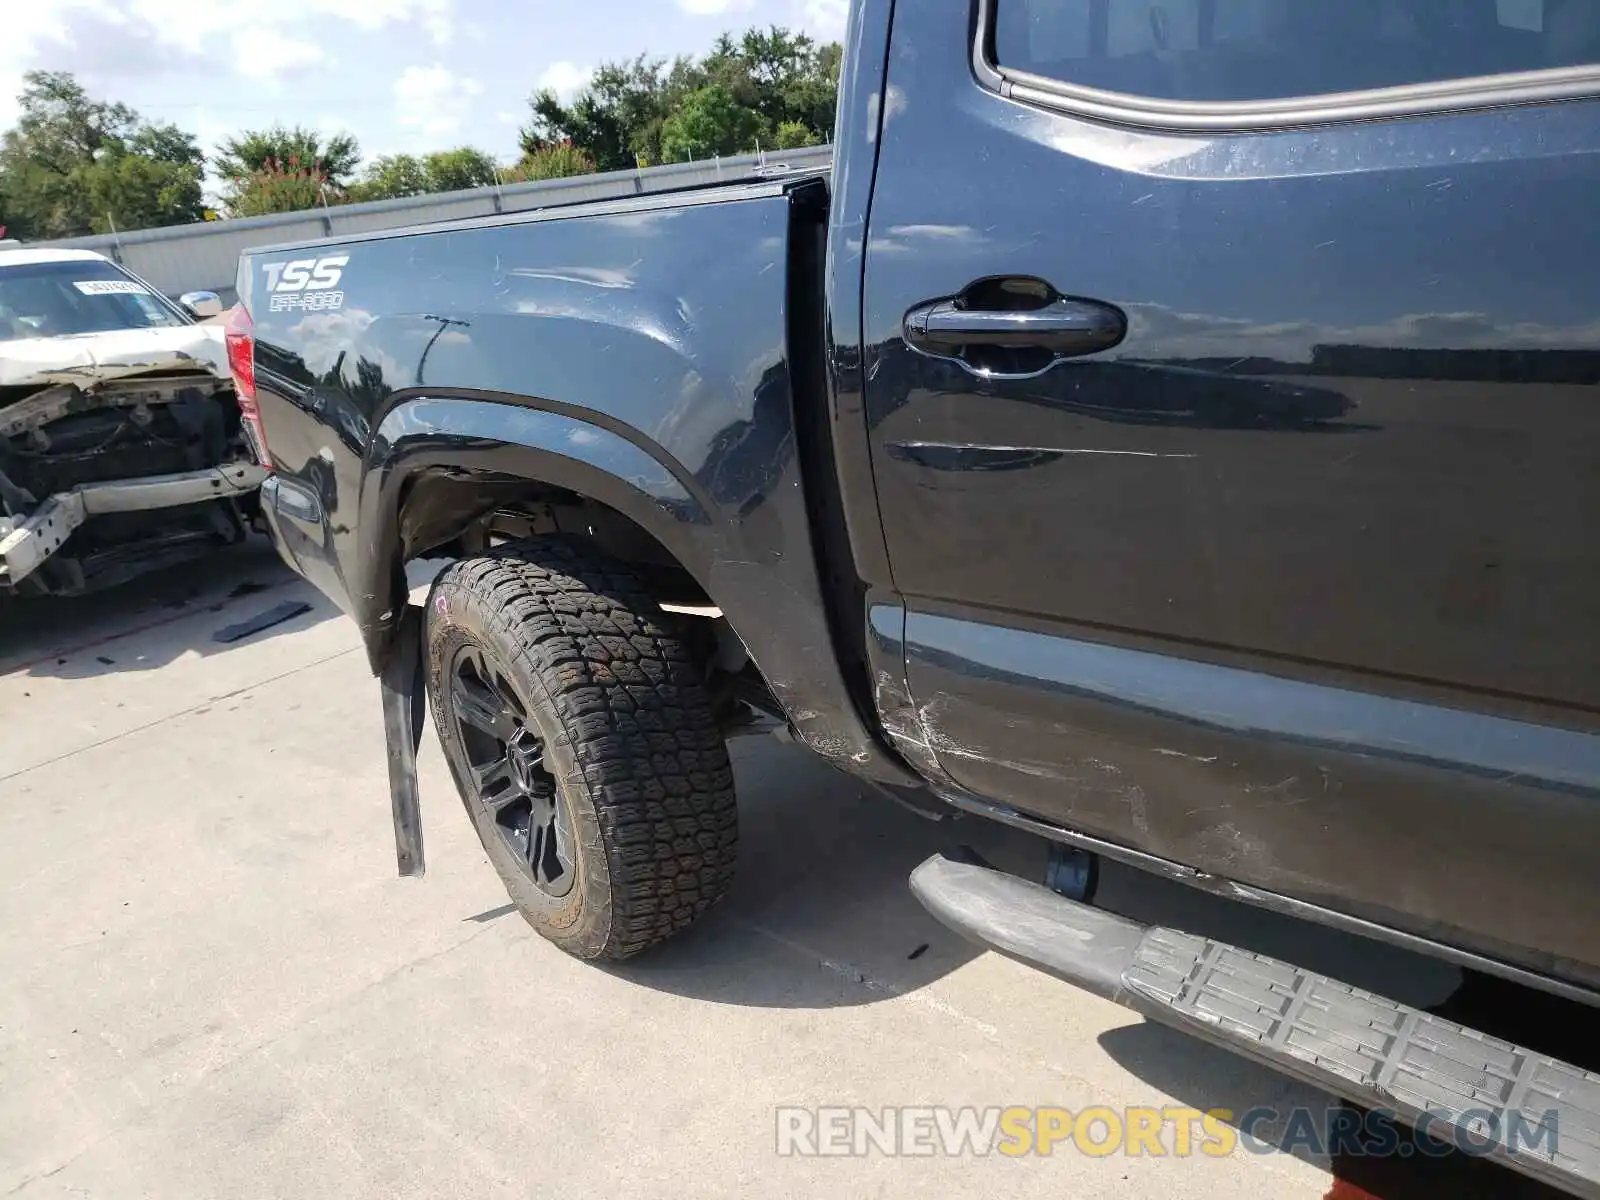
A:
(1232, 403)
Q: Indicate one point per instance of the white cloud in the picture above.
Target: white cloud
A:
(191, 23)
(438, 20)
(433, 102)
(712, 8)
(260, 41)
(825, 18)
(565, 79)
(267, 54)
(24, 28)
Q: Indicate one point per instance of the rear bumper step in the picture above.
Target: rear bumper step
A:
(1358, 1045)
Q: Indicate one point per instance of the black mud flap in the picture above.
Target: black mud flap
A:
(404, 709)
(1532, 1112)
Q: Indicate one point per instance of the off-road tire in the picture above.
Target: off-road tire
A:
(627, 730)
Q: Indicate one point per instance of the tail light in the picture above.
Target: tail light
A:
(241, 341)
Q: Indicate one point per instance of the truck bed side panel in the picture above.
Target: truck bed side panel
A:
(638, 354)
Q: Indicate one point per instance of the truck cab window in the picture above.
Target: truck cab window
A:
(1243, 50)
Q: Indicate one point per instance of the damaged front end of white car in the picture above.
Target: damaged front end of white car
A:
(120, 448)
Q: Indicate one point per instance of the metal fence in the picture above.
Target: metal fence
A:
(203, 257)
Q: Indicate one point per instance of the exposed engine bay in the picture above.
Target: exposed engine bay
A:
(119, 452)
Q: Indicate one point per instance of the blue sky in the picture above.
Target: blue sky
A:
(402, 75)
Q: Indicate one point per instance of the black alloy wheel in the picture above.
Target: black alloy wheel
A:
(506, 758)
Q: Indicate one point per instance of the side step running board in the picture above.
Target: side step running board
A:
(1358, 1045)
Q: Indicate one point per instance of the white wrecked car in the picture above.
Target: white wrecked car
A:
(120, 442)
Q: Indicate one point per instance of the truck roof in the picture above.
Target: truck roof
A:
(46, 254)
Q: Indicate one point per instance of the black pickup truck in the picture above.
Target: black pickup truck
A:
(1171, 428)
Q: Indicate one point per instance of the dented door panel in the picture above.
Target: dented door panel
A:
(1258, 589)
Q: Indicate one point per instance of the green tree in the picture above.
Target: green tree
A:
(622, 118)
(139, 192)
(708, 122)
(389, 177)
(61, 127)
(454, 170)
(280, 187)
(167, 143)
(250, 151)
(683, 77)
(608, 118)
(782, 75)
(36, 202)
(794, 135)
(74, 165)
(559, 160)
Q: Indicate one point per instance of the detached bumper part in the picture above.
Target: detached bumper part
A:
(37, 536)
(1358, 1045)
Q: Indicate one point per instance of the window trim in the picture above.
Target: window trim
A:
(1247, 116)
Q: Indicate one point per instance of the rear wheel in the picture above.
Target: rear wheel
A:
(582, 743)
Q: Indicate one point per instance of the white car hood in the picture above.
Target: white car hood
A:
(90, 358)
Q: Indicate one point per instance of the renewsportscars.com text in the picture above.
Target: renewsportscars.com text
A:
(1157, 1132)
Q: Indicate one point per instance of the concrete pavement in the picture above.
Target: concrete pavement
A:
(213, 985)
